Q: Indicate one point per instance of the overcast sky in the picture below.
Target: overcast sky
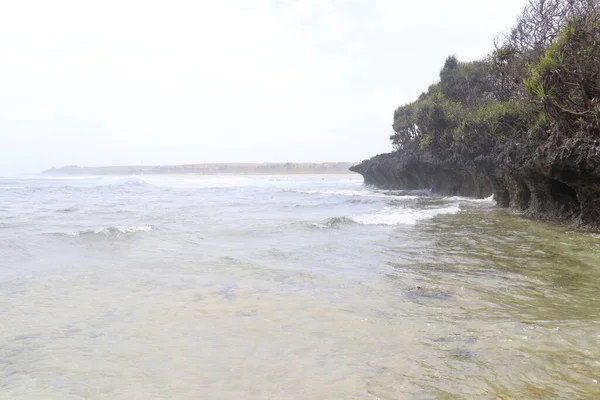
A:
(170, 82)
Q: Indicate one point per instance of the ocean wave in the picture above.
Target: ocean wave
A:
(361, 201)
(387, 216)
(132, 181)
(405, 192)
(113, 230)
(361, 193)
(402, 216)
(324, 204)
(61, 178)
(318, 205)
(489, 199)
(67, 210)
(333, 222)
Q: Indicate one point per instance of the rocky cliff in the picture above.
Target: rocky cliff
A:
(555, 178)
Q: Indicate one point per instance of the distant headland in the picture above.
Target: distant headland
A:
(207, 169)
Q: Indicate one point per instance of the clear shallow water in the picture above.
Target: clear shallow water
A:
(287, 288)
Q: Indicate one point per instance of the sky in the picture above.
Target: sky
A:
(155, 82)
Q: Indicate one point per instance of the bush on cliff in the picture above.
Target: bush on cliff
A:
(462, 111)
(566, 79)
(544, 73)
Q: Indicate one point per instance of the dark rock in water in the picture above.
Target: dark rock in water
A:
(555, 178)
(470, 340)
(462, 354)
(455, 338)
(420, 292)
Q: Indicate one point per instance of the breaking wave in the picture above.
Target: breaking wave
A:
(113, 230)
(67, 210)
(489, 199)
(361, 193)
(402, 216)
(133, 181)
(333, 222)
(387, 216)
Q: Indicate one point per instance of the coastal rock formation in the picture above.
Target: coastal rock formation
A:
(442, 173)
(558, 179)
(523, 123)
(555, 179)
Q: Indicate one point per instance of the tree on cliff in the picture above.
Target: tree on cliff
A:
(566, 79)
(543, 74)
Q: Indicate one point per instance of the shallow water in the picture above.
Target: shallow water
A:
(287, 288)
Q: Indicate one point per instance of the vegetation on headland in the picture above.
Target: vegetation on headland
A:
(522, 124)
(543, 75)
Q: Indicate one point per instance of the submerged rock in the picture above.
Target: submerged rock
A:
(462, 354)
(432, 293)
(468, 339)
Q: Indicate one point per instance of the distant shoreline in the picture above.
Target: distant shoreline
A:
(326, 168)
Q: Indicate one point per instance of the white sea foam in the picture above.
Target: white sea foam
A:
(333, 222)
(67, 210)
(489, 199)
(129, 181)
(402, 216)
(113, 230)
(361, 193)
(486, 200)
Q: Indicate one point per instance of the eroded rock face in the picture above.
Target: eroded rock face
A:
(442, 174)
(555, 179)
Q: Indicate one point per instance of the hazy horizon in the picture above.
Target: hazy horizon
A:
(130, 83)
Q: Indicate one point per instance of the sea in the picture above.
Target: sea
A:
(287, 287)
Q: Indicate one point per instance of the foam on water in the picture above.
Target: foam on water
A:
(402, 216)
(113, 230)
(202, 181)
(67, 210)
(130, 181)
(489, 200)
(361, 193)
(246, 291)
(333, 222)
(39, 177)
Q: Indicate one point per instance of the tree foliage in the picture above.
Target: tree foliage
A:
(566, 79)
(544, 73)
